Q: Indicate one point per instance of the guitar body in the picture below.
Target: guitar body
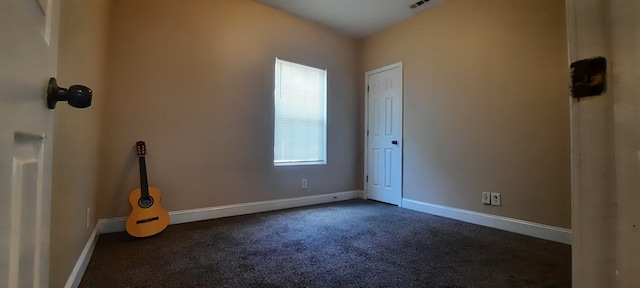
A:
(144, 222)
(147, 216)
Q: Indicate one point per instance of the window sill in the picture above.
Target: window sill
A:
(309, 163)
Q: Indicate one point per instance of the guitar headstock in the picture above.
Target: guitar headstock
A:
(140, 148)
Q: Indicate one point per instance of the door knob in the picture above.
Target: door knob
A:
(394, 142)
(77, 95)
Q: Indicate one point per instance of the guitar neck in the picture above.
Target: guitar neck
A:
(144, 185)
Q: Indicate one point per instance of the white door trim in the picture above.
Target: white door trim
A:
(592, 175)
(366, 122)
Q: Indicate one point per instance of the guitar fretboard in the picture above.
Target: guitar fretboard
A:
(144, 185)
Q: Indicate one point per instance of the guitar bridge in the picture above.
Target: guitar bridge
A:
(147, 220)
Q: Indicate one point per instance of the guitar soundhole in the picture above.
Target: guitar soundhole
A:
(145, 202)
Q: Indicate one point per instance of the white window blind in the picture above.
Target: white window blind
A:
(300, 136)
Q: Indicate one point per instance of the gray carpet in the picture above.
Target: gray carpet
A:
(355, 243)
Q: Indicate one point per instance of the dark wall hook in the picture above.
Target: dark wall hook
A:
(77, 95)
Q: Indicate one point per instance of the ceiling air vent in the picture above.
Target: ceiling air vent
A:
(418, 4)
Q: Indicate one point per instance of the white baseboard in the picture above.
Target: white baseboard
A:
(112, 225)
(532, 229)
(83, 261)
(118, 224)
(191, 215)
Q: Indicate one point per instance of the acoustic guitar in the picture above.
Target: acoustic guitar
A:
(147, 216)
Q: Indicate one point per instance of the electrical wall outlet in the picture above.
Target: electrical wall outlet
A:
(486, 198)
(304, 184)
(495, 199)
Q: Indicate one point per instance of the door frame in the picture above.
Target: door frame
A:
(366, 126)
(602, 197)
(592, 219)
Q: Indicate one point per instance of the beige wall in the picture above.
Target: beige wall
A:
(194, 79)
(81, 60)
(486, 105)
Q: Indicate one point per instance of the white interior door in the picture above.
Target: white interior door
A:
(384, 134)
(28, 59)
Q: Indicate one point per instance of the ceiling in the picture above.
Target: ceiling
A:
(357, 18)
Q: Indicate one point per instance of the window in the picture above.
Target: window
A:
(300, 136)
